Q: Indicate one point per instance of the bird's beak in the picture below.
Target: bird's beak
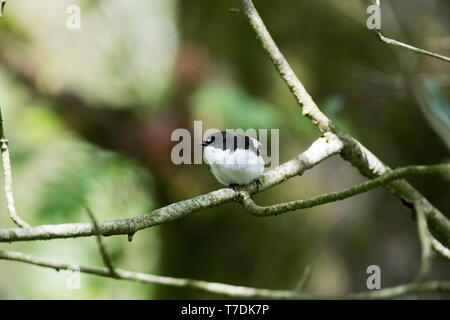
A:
(203, 143)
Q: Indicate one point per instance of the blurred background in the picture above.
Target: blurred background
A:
(89, 114)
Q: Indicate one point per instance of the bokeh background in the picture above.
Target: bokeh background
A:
(89, 114)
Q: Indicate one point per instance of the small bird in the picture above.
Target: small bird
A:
(234, 159)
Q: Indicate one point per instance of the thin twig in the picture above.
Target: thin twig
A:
(101, 246)
(402, 290)
(425, 241)
(2, 7)
(280, 208)
(304, 278)
(8, 179)
(226, 289)
(409, 47)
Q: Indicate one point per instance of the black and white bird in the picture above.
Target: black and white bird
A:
(234, 159)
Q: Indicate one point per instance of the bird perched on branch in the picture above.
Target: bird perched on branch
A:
(234, 159)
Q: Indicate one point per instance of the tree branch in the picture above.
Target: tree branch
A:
(307, 104)
(320, 150)
(353, 151)
(425, 241)
(439, 247)
(8, 179)
(398, 291)
(277, 209)
(222, 288)
(334, 141)
(2, 7)
(304, 278)
(407, 46)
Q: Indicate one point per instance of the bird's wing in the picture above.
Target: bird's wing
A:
(256, 143)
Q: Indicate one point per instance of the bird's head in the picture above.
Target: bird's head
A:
(213, 139)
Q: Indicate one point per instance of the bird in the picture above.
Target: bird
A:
(234, 159)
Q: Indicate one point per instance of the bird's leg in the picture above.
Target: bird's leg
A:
(233, 186)
(258, 183)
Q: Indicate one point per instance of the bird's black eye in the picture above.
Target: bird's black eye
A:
(212, 139)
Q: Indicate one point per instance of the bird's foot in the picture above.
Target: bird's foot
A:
(258, 183)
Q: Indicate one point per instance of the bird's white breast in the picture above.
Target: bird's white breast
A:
(234, 167)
